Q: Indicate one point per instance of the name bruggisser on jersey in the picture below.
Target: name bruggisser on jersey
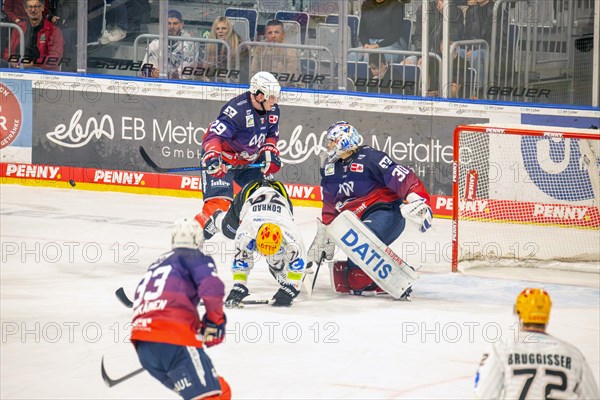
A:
(537, 358)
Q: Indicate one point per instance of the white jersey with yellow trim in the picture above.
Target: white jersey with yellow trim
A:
(534, 365)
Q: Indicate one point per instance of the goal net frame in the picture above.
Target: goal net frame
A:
(506, 212)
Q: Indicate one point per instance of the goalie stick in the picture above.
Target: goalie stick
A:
(112, 382)
(157, 168)
(120, 293)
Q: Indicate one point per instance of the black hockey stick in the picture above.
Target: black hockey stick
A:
(310, 286)
(112, 382)
(158, 168)
(120, 293)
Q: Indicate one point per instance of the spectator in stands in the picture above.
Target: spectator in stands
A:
(380, 79)
(436, 22)
(381, 28)
(116, 20)
(15, 10)
(478, 25)
(65, 17)
(216, 54)
(181, 54)
(43, 41)
(275, 60)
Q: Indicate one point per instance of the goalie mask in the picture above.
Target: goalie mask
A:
(341, 138)
(268, 239)
(187, 233)
(533, 306)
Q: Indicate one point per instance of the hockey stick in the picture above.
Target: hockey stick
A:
(157, 168)
(112, 382)
(120, 293)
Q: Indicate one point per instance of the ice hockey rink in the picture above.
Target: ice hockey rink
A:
(65, 252)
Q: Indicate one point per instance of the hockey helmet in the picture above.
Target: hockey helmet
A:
(341, 137)
(265, 83)
(187, 233)
(268, 239)
(533, 306)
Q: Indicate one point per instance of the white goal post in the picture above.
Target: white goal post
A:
(526, 195)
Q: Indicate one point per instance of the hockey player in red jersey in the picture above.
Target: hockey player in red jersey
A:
(246, 131)
(380, 192)
(167, 331)
(534, 365)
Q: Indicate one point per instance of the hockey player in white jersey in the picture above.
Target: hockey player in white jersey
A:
(534, 365)
(260, 220)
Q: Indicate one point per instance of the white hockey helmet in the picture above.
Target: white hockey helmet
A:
(341, 137)
(265, 83)
(187, 233)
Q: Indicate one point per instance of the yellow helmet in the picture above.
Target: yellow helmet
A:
(533, 306)
(268, 239)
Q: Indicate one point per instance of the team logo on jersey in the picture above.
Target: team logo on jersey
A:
(355, 167)
(249, 121)
(230, 112)
(385, 162)
(273, 119)
(329, 169)
(346, 188)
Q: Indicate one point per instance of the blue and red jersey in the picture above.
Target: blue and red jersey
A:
(240, 131)
(166, 300)
(367, 177)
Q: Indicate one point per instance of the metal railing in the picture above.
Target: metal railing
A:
(10, 27)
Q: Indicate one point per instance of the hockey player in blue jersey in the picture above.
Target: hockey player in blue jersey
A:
(246, 131)
(380, 192)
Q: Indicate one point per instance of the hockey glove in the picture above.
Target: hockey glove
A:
(269, 154)
(213, 164)
(212, 333)
(284, 296)
(321, 248)
(213, 224)
(235, 297)
(417, 211)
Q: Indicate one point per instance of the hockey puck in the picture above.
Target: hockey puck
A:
(72, 182)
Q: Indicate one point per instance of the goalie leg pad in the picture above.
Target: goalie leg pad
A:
(367, 251)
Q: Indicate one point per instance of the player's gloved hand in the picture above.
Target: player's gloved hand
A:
(213, 225)
(213, 164)
(321, 248)
(212, 333)
(417, 211)
(236, 295)
(269, 154)
(284, 296)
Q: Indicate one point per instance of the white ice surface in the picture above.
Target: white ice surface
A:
(65, 252)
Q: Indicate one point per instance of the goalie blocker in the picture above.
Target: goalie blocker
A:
(376, 259)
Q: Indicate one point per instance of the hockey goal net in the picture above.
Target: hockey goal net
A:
(526, 196)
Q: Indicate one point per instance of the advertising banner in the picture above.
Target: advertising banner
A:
(106, 130)
(15, 113)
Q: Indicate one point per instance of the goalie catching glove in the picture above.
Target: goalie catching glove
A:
(212, 333)
(269, 155)
(417, 211)
(213, 164)
(322, 248)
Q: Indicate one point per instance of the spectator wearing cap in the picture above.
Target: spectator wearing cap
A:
(181, 54)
